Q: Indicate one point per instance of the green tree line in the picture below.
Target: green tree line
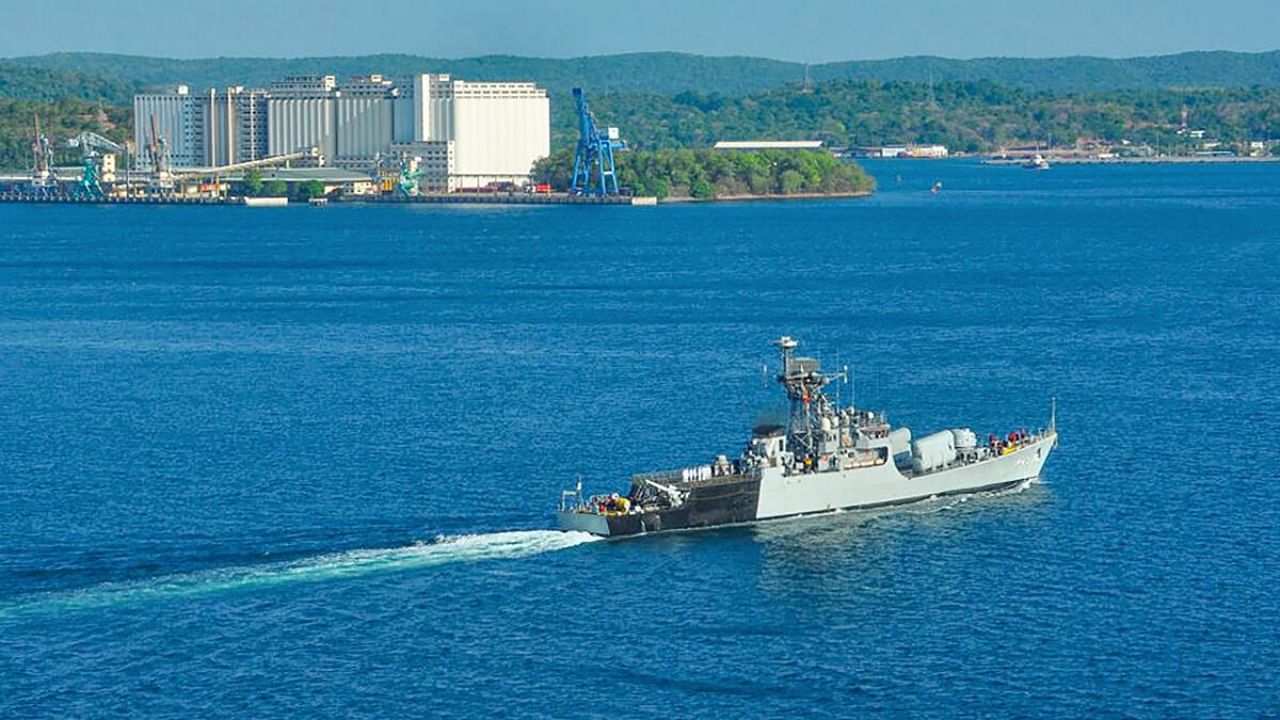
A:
(705, 174)
(252, 184)
(967, 116)
(978, 116)
(670, 73)
(59, 120)
(49, 84)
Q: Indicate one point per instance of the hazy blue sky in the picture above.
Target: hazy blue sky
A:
(806, 30)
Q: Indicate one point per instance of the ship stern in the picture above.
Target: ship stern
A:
(588, 522)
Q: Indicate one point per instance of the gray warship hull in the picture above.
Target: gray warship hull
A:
(774, 494)
(824, 458)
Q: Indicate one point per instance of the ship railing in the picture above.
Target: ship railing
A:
(666, 477)
(695, 474)
(1031, 438)
(572, 499)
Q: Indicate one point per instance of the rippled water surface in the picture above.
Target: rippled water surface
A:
(301, 462)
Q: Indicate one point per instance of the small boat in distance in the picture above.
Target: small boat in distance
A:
(1037, 162)
(264, 201)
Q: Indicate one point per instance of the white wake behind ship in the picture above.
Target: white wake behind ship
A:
(824, 458)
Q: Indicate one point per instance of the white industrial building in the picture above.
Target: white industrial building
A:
(768, 145)
(468, 135)
(458, 134)
(219, 127)
(300, 114)
(363, 124)
(498, 130)
(350, 123)
(232, 125)
(173, 115)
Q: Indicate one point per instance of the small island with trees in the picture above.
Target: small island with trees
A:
(706, 174)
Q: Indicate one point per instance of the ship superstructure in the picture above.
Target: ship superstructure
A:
(824, 458)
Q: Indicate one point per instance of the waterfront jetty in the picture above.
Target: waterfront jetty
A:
(427, 199)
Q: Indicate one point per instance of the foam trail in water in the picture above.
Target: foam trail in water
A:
(949, 502)
(352, 563)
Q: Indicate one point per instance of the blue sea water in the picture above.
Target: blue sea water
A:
(301, 462)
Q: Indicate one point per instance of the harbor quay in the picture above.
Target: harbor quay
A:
(461, 198)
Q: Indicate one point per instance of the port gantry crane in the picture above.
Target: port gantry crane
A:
(89, 144)
(407, 185)
(593, 169)
(158, 150)
(43, 178)
(401, 170)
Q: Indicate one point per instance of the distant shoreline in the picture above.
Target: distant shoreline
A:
(751, 197)
(434, 199)
(1163, 159)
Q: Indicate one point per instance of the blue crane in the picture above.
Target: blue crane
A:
(407, 184)
(92, 176)
(593, 170)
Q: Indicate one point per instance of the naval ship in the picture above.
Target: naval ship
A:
(823, 459)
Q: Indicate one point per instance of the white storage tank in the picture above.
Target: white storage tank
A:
(933, 451)
(900, 440)
(965, 439)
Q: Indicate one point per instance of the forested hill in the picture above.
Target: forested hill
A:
(48, 84)
(966, 116)
(1075, 74)
(93, 92)
(671, 73)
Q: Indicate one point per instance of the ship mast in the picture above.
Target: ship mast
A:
(803, 381)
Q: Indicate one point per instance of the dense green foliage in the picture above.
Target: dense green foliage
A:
(670, 73)
(59, 120)
(251, 184)
(639, 72)
(34, 83)
(1073, 74)
(967, 116)
(308, 190)
(704, 174)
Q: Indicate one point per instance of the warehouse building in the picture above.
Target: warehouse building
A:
(756, 145)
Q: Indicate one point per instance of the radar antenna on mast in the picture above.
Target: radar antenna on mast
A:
(803, 380)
